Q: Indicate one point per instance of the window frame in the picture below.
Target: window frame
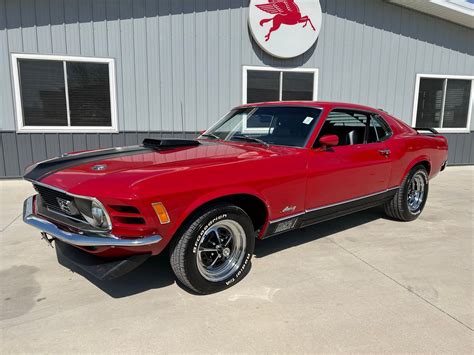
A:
(441, 76)
(22, 128)
(246, 68)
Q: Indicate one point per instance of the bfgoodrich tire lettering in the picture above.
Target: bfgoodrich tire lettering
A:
(410, 199)
(213, 251)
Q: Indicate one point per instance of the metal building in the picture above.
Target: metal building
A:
(83, 74)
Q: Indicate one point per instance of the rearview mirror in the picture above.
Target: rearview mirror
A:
(328, 140)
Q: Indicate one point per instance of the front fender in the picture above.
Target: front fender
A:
(212, 196)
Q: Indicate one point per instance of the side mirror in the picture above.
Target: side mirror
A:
(202, 131)
(328, 140)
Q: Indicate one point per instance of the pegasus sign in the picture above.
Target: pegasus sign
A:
(285, 28)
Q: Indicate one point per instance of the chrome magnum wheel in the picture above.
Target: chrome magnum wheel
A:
(416, 191)
(221, 250)
(214, 249)
(411, 196)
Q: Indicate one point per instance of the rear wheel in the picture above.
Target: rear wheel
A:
(410, 199)
(214, 250)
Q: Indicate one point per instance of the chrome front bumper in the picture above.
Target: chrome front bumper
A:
(89, 240)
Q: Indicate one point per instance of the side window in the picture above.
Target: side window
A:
(378, 130)
(349, 126)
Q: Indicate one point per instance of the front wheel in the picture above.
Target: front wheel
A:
(410, 199)
(213, 250)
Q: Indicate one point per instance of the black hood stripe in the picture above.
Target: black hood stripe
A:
(48, 167)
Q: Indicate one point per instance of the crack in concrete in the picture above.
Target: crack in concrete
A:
(9, 224)
(401, 285)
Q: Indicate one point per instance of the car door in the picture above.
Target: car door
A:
(357, 167)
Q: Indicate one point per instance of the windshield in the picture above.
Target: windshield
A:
(287, 125)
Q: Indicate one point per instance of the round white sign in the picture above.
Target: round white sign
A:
(285, 28)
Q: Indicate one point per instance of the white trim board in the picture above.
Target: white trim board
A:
(21, 128)
(441, 76)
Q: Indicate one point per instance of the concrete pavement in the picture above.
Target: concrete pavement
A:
(361, 283)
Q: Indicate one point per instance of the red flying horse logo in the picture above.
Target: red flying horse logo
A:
(286, 12)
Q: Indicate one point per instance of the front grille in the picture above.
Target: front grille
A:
(50, 198)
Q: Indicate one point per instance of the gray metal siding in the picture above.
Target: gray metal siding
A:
(179, 63)
(21, 150)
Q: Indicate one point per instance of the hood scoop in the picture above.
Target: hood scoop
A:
(169, 143)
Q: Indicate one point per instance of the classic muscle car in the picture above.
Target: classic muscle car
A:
(261, 170)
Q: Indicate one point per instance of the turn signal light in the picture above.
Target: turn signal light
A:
(160, 211)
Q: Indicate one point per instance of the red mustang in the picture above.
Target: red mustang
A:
(263, 169)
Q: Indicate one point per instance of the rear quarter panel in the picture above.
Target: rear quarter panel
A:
(409, 148)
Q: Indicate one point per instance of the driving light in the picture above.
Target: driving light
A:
(160, 211)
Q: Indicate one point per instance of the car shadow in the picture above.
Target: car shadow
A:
(156, 272)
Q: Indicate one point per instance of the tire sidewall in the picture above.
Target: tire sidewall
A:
(411, 215)
(197, 233)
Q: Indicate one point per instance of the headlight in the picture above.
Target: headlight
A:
(94, 213)
(99, 215)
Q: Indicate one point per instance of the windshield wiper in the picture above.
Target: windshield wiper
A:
(250, 139)
(211, 135)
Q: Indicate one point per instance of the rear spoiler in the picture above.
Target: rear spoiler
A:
(421, 129)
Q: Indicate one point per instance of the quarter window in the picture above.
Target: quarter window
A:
(378, 130)
(64, 93)
(270, 84)
(443, 102)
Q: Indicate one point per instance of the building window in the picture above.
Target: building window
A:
(59, 93)
(270, 84)
(443, 102)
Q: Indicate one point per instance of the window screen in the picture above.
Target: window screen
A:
(297, 86)
(89, 94)
(61, 93)
(456, 106)
(443, 103)
(430, 103)
(263, 86)
(43, 92)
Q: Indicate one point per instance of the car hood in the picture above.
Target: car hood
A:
(122, 172)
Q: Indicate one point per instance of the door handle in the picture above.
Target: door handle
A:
(385, 152)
